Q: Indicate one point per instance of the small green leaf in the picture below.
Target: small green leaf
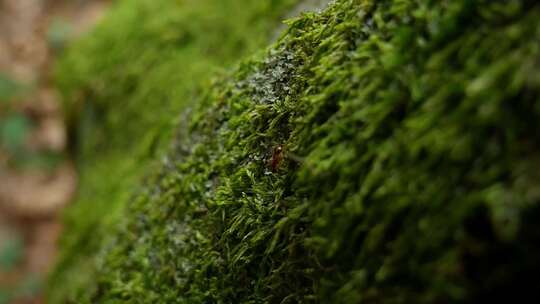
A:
(10, 253)
(8, 88)
(13, 132)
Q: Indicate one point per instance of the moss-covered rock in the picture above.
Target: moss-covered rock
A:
(379, 152)
(124, 87)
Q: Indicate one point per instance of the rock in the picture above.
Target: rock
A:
(380, 152)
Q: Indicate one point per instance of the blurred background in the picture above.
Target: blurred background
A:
(36, 177)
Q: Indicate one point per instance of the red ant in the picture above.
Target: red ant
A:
(278, 154)
(277, 157)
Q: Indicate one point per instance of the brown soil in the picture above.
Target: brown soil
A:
(31, 199)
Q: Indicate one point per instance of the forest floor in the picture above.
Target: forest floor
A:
(36, 177)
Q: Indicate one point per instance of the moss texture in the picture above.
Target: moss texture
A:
(379, 152)
(124, 87)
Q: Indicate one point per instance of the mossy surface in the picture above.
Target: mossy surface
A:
(380, 152)
(124, 87)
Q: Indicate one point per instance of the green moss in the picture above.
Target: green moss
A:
(380, 152)
(124, 86)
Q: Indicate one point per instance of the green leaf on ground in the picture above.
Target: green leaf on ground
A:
(8, 88)
(13, 132)
(10, 253)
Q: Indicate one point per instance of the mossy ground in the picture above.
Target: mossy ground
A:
(379, 152)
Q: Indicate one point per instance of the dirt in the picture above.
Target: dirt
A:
(32, 34)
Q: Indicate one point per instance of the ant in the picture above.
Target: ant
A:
(277, 157)
(278, 154)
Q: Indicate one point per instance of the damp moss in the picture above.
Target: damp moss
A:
(124, 86)
(379, 152)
